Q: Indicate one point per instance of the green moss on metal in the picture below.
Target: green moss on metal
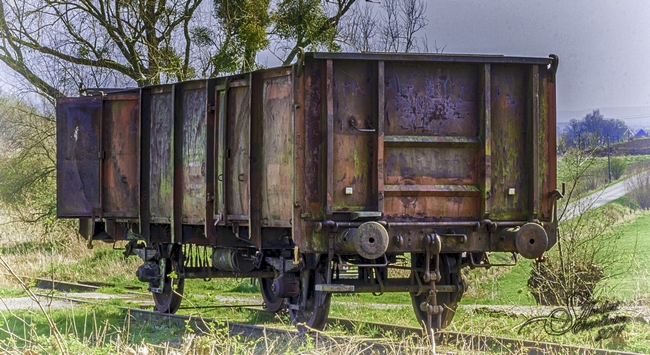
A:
(360, 165)
(318, 241)
(344, 207)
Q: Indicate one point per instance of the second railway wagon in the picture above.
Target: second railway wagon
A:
(366, 162)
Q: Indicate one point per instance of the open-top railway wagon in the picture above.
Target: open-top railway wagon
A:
(372, 162)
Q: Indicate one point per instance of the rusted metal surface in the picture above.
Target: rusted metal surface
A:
(237, 150)
(120, 156)
(277, 159)
(354, 122)
(510, 138)
(461, 138)
(194, 134)
(210, 230)
(272, 153)
(431, 141)
(416, 142)
(77, 161)
(160, 160)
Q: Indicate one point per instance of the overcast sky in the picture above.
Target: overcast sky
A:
(604, 45)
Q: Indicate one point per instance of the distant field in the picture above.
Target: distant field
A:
(634, 147)
(599, 167)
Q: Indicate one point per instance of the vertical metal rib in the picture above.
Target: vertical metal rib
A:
(379, 159)
(144, 163)
(177, 163)
(487, 136)
(535, 141)
(330, 135)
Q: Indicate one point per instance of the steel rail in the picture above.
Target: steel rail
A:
(477, 342)
(247, 331)
(480, 342)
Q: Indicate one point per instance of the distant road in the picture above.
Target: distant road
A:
(597, 199)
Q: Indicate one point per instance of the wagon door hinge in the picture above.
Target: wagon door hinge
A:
(212, 107)
(101, 155)
(209, 197)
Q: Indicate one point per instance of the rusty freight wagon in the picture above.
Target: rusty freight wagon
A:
(366, 162)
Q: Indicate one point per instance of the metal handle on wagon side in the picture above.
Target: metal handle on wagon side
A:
(353, 124)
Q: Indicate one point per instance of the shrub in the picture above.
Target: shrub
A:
(586, 243)
(552, 285)
(617, 167)
(639, 187)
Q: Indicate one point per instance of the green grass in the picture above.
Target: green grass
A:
(7, 292)
(634, 338)
(509, 288)
(633, 269)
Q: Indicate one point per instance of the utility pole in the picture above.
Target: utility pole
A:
(609, 164)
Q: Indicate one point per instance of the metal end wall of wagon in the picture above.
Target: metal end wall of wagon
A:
(422, 142)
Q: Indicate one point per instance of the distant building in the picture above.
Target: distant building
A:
(641, 134)
(628, 135)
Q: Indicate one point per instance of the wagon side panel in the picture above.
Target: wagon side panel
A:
(77, 125)
(237, 151)
(121, 156)
(194, 104)
(277, 155)
(160, 159)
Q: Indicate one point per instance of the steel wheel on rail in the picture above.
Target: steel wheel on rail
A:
(450, 275)
(170, 299)
(272, 303)
(316, 303)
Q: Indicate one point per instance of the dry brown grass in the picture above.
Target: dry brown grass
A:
(59, 253)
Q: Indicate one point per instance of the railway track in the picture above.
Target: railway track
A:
(465, 341)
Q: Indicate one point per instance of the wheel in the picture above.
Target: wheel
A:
(271, 302)
(170, 299)
(450, 275)
(317, 303)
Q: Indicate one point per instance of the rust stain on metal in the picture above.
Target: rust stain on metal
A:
(354, 90)
(431, 99)
(160, 157)
(194, 142)
(277, 156)
(238, 151)
(120, 166)
(509, 146)
(77, 170)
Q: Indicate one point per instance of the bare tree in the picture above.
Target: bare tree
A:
(412, 16)
(391, 31)
(391, 26)
(139, 41)
(359, 32)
